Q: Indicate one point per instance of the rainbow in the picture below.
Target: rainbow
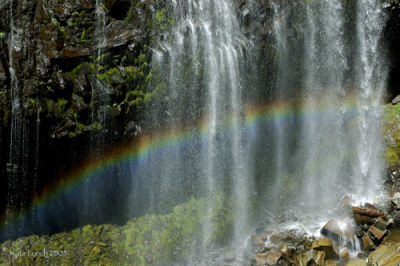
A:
(140, 148)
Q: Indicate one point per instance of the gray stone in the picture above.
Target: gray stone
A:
(396, 199)
(229, 257)
(339, 228)
(257, 240)
(396, 99)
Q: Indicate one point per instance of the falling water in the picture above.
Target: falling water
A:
(342, 81)
(199, 64)
(370, 83)
(15, 198)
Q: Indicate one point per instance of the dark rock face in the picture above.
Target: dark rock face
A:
(79, 76)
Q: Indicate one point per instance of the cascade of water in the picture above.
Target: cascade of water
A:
(338, 150)
(325, 66)
(14, 197)
(198, 63)
(280, 124)
(370, 84)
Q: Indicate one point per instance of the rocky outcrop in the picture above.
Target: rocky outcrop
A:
(71, 72)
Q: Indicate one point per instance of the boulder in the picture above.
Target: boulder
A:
(257, 240)
(280, 238)
(381, 224)
(311, 257)
(344, 254)
(73, 52)
(289, 250)
(339, 228)
(371, 212)
(396, 200)
(396, 99)
(362, 219)
(356, 262)
(326, 245)
(396, 220)
(368, 243)
(273, 257)
(261, 258)
(332, 262)
(388, 253)
(119, 33)
(376, 233)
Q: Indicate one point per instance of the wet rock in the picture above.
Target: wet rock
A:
(44, 52)
(332, 262)
(344, 254)
(368, 243)
(376, 233)
(120, 33)
(116, 80)
(311, 257)
(396, 220)
(289, 250)
(273, 257)
(229, 257)
(371, 212)
(396, 197)
(326, 245)
(356, 262)
(387, 254)
(362, 219)
(109, 3)
(381, 224)
(102, 86)
(339, 228)
(346, 201)
(260, 249)
(396, 99)
(280, 238)
(307, 244)
(261, 258)
(359, 232)
(80, 84)
(78, 104)
(122, 71)
(71, 52)
(257, 240)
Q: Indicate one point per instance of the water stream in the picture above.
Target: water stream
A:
(279, 117)
(320, 141)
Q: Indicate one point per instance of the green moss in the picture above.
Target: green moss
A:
(33, 103)
(83, 37)
(70, 23)
(148, 77)
(80, 67)
(60, 28)
(2, 35)
(392, 132)
(107, 75)
(171, 237)
(142, 58)
(61, 104)
(160, 15)
(149, 240)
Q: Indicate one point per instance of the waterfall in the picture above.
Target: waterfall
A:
(199, 64)
(16, 182)
(371, 75)
(256, 108)
(342, 81)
